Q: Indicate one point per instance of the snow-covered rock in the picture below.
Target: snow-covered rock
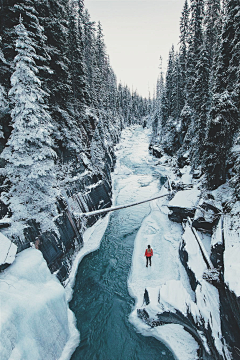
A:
(184, 204)
(207, 297)
(35, 321)
(232, 253)
(206, 216)
(8, 250)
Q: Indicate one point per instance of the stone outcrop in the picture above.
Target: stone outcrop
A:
(206, 216)
(84, 189)
(183, 205)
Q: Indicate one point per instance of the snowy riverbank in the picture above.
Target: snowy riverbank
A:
(183, 313)
(166, 281)
(176, 303)
(35, 321)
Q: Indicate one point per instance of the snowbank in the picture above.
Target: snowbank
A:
(206, 308)
(35, 321)
(8, 250)
(166, 281)
(232, 253)
(91, 241)
(168, 285)
(185, 199)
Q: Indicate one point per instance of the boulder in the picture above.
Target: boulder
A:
(157, 151)
(183, 205)
(206, 216)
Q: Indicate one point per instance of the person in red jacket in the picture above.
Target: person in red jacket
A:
(148, 254)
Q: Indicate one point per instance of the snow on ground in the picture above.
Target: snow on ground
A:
(91, 241)
(232, 252)
(35, 321)
(173, 336)
(186, 177)
(166, 280)
(207, 297)
(186, 199)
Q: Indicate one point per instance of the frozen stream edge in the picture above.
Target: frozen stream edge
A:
(167, 275)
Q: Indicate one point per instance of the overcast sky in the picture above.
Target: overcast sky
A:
(136, 34)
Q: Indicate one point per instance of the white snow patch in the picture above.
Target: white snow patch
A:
(232, 253)
(186, 199)
(207, 297)
(180, 342)
(217, 234)
(186, 177)
(166, 280)
(8, 250)
(91, 241)
(35, 321)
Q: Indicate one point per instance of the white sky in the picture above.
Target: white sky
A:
(136, 34)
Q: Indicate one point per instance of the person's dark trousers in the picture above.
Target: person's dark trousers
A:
(148, 259)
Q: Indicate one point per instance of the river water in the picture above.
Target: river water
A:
(101, 301)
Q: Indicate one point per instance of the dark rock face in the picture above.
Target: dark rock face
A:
(59, 251)
(189, 325)
(157, 152)
(87, 193)
(184, 259)
(217, 255)
(206, 217)
(182, 161)
(146, 297)
(230, 319)
(178, 214)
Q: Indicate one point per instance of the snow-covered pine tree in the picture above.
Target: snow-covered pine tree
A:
(170, 106)
(90, 56)
(79, 94)
(168, 97)
(224, 115)
(234, 78)
(184, 33)
(201, 107)
(100, 77)
(195, 41)
(212, 28)
(28, 155)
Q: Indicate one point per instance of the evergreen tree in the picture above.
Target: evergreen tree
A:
(90, 56)
(168, 95)
(195, 41)
(29, 156)
(223, 120)
(184, 34)
(201, 107)
(79, 94)
(101, 60)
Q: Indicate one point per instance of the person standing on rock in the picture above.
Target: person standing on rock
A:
(149, 254)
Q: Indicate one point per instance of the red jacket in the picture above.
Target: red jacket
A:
(149, 253)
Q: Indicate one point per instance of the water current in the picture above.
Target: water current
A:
(101, 301)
